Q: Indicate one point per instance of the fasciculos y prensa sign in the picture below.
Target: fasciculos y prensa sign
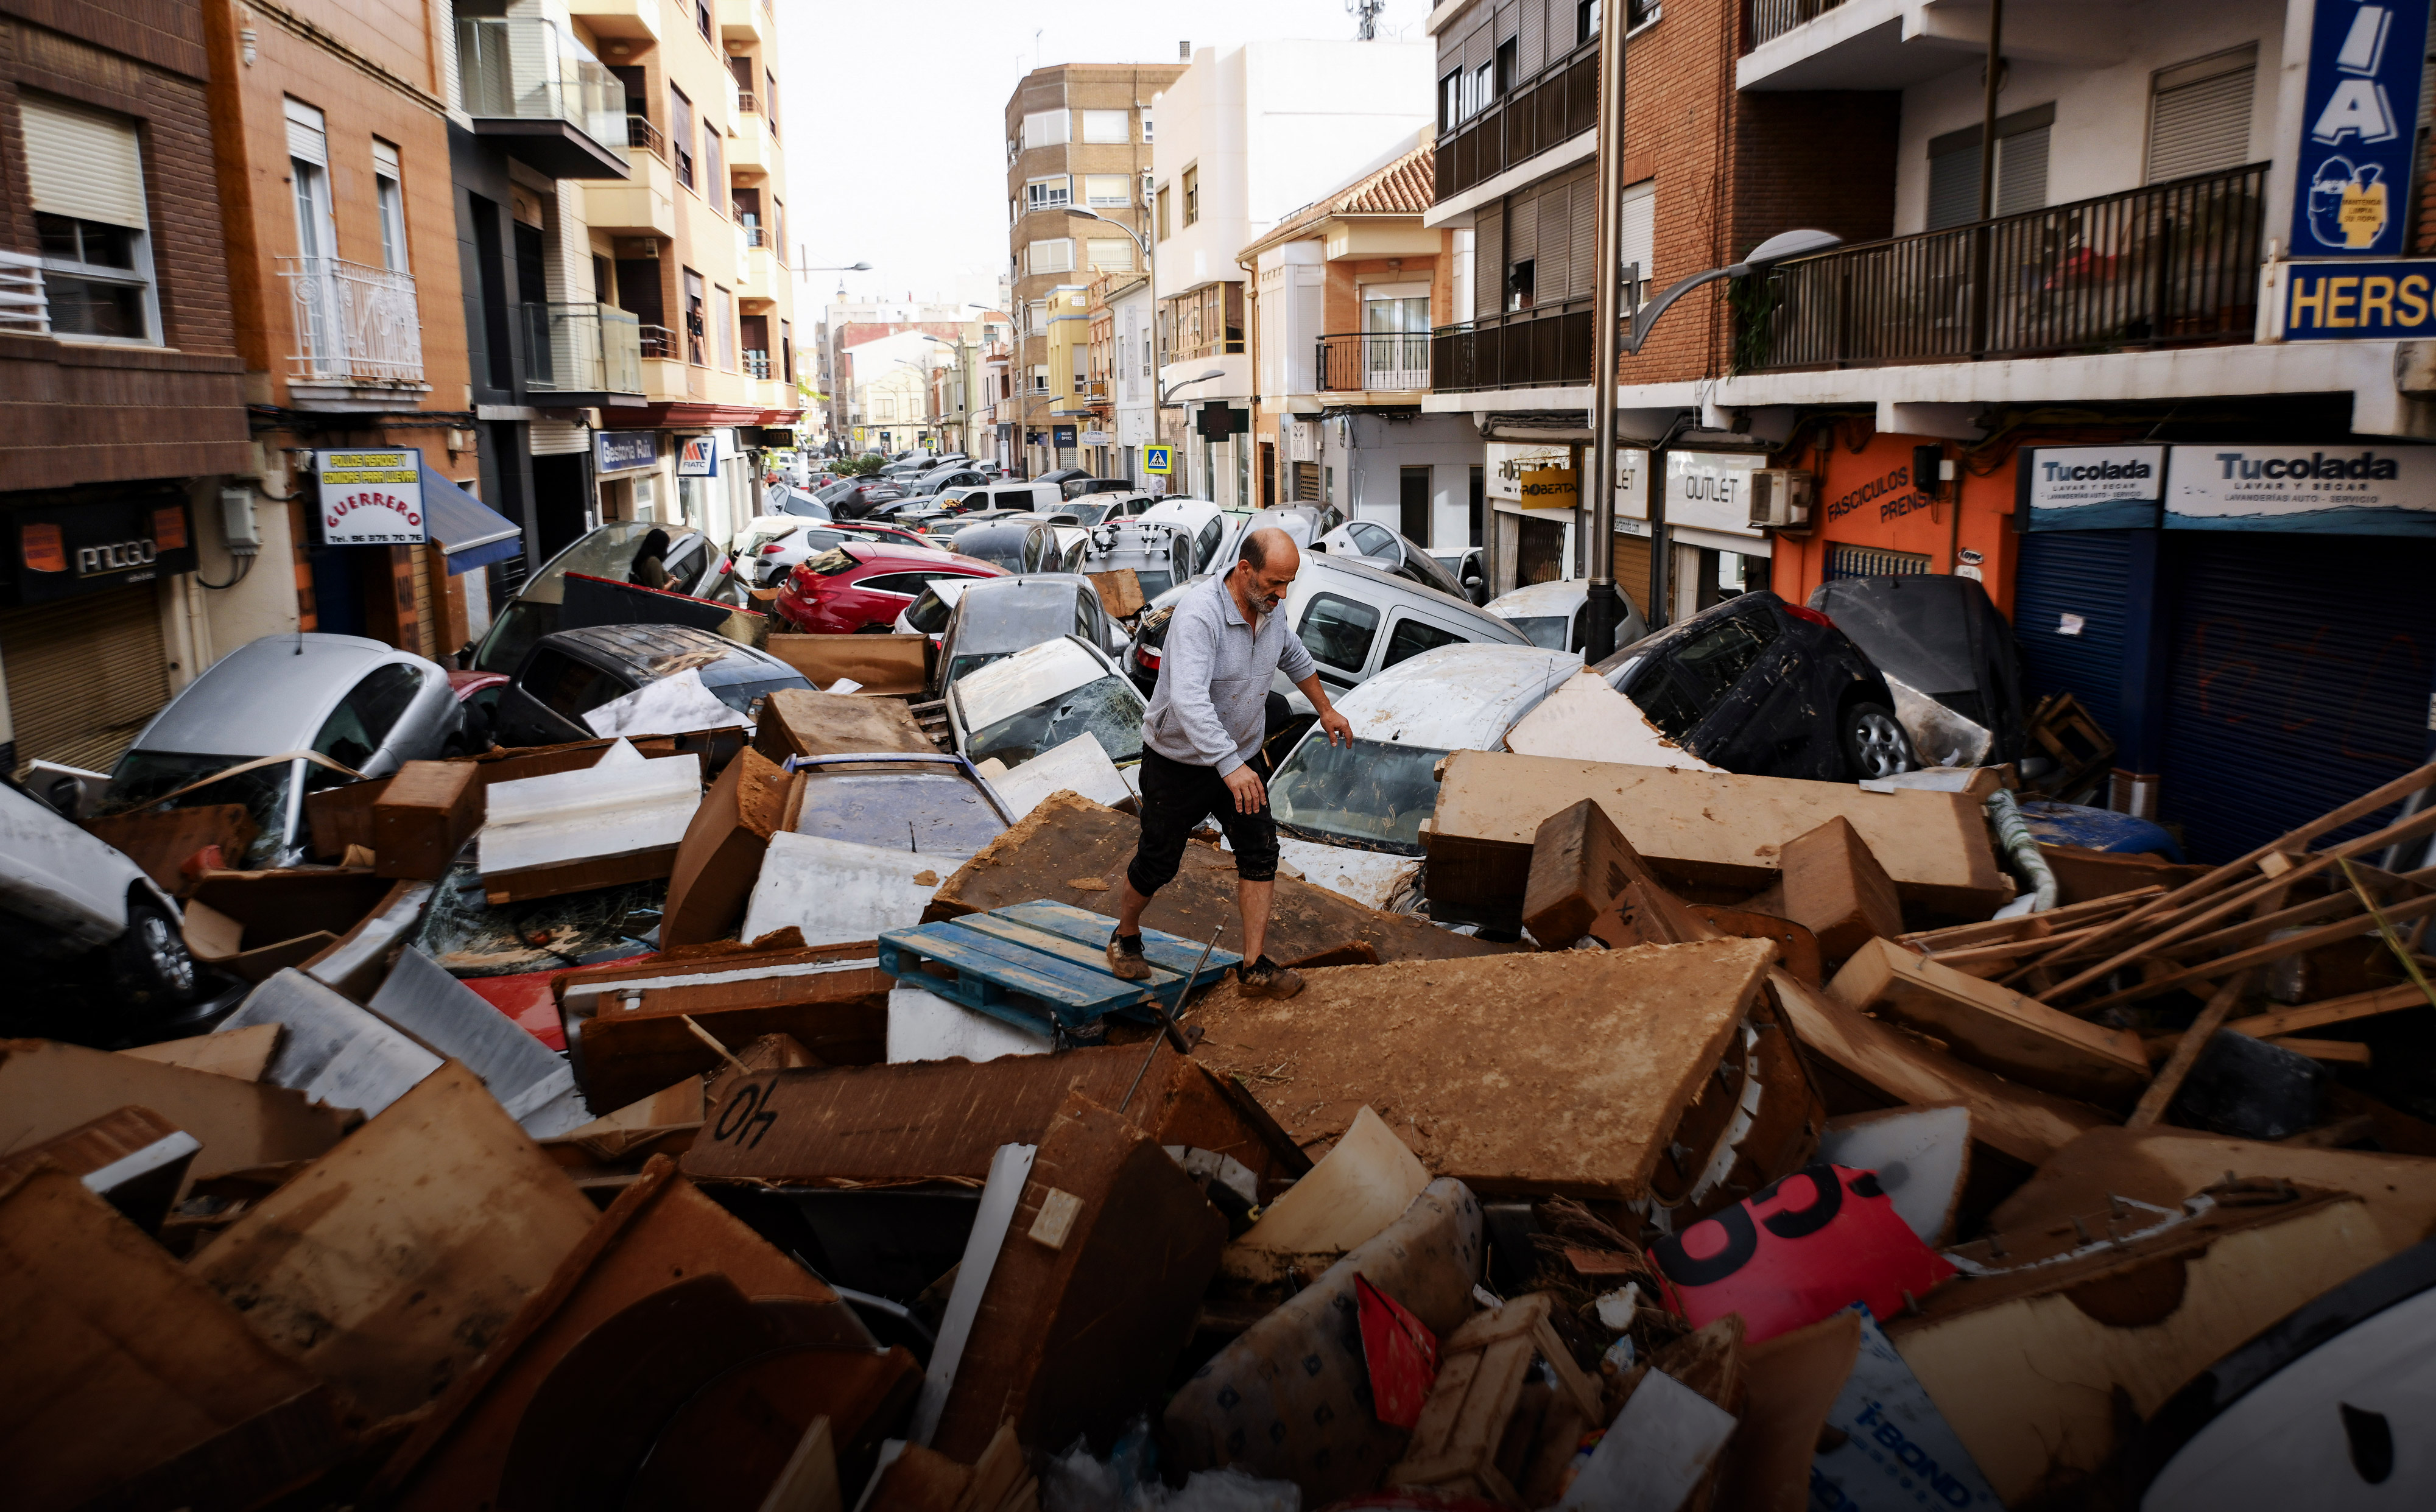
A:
(2324, 489)
(371, 497)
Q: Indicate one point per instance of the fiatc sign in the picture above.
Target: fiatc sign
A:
(2360, 119)
(372, 497)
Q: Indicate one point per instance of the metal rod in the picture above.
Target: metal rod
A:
(1167, 1020)
(1603, 612)
(1996, 69)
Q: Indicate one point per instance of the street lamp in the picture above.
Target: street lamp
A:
(1169, 392)
(1777, 249)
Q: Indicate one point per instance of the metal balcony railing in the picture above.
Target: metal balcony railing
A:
(755, 235)
(581, 349)
(1771, 19)
(1546, 346)
(354, 324)
(645, 137)
(745, 103)
(756, 364)
(2171, 264)
(520, 69)
(1354, 361)
(1560, 104)
(658, 342)
(24, 308)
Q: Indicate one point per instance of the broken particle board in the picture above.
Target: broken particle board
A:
(387, 1266)
(1835, 887)
(423, 818)
(889, 665)
(128, 1383)
(1585, 720)
(1994, 1027)
(1580, 864)
(1562, 1073)
(48, 1088)
(618, 820)
(161, 841)
(1699, 828)
(1093, 1296)
(1072, 850)
(720, 857)
(801, 722)
(243, 1054)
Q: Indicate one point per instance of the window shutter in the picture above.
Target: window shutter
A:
(1639, 241)
(1521, 239)
(2021, 172)
(2201, 126)
(1533, 50)
(1954, 187)
(384, 159)
(307, 138)
(1555, 241)
(1488, 261)
(82, 162)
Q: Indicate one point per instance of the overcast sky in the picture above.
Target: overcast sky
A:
(894, 117)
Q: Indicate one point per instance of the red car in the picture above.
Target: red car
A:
(859, 586)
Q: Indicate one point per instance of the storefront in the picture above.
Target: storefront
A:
(1885, 504)
(1716, 554)
(1536, 517)
(632, 477)
(83, 658)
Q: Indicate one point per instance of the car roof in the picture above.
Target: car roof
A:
(897, 553)
(1034, 675)
(1004, 612)
(1532, 600)
(1456, 698)
(268, 696)
(663, 650)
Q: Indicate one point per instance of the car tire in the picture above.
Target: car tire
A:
(150, 966)
(1874, 742)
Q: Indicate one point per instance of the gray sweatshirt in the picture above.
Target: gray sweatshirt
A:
(1213, 679)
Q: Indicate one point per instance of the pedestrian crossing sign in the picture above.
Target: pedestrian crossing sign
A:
(1158, 458)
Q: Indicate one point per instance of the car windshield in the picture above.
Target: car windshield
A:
(1544, 631)
(142, 778)
(974, 663)
(1371, 793)
(1000, 545)
(607, 552)
(928, 613)
(1108, 709)
(1154, 582)
(831, 561)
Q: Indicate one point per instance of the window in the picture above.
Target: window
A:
(1051, 256)
(1508, 62)
(1586, 21)
(680, 133)
(1145, 120)
(1163, 215)
(1522, 283)
(1703, 671)
(1107, 126)
(1413, 636)
(1038, 310)
(725, 305)
(388, 186)
(696, 326)
(2199, 115)
(701, 18)
(1040, 379)
(1451, 102)
(1192, 195)
(1482, 83)
(2021, 169)
(1103, 191)
(786, 348)
(884, 408)
(770, 100)
(1109, 255)
(91, 273)
(714, 173)
(1338, 631)
(1048, 194)
(1045, 129)
(364, 717)
(1638, 245)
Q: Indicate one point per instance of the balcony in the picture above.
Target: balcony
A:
(2168, 265)
(645, 203)
(1560, 104)
(1373, 362)
(1807, 44)
(582, 355)
(746, 21)
(756, 364)
(748, 146)
(1545, 347)
(358, 336)
(558, 113)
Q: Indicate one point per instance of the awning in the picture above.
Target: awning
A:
(475, 534)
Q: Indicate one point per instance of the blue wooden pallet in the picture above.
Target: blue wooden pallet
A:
(1043, 966)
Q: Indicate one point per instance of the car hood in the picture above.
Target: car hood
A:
(1030, 677)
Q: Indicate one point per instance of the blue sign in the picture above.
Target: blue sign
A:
(2090, 488)
(615, 451)
(2358, 119)
(2358, 302)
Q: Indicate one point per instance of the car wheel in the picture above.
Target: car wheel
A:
(1874, 742)
(149, 965)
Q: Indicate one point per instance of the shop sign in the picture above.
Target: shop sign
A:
(1064, 435)
(1711, 490)
(2091, 488)
(1883, 499)
(1097, 438)
(2331, 491)
(2359, 117)
(618, 451)
(66, 549)
(698, 457)
(1159, 460)
(2356, 301)
(1549, 488)
(372, 497)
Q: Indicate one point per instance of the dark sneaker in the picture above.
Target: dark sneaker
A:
(1265, 978)
(1125, 957)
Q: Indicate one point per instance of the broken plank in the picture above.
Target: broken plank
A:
(2159, 1095)
(2258, 955)
(243, 1054)
(2338, 1051)
(2028, 927)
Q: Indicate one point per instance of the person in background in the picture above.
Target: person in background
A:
(651, 561)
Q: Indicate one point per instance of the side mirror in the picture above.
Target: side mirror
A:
(66, 795)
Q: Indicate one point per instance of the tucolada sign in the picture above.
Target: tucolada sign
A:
(2329, 490)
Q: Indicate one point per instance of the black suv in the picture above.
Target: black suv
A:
(568, 674)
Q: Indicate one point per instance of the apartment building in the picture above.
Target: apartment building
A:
(1247, 136)
(1079, 142)
(850, 323)
(2147, 383)
(1346, 292)
(334, 165)
(120, 381)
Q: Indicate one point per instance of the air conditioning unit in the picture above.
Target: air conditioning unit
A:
(1781, 498)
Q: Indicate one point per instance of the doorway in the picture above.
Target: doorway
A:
(561, 493)
(1413, 504)
(1540, 553)
(1268, 474)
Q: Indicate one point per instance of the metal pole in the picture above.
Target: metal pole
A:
(1603, 611)
(1982, 260)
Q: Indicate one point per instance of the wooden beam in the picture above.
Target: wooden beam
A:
(2259, 955)
(2168, 1081)
(2347, 1051)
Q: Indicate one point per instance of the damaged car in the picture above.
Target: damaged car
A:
(1041, 698)
(1766, 689)
(1947, 656)
(568, 674)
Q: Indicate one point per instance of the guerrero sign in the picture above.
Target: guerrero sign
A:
(372, 497)
(2359, 121)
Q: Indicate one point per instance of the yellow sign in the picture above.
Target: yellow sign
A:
(1549, 488)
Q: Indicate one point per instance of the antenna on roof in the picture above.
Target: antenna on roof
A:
(1366, 18)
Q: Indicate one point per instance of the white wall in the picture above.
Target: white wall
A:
(1369, 472)
(2099, 143)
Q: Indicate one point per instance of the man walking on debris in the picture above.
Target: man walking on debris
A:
(1201, 747)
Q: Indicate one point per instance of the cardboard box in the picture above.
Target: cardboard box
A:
(160, 843)
(424, 817)
(898, 665)
(720, 857)
(1119, 592)
(342, 816)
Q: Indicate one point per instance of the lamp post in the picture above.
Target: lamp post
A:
(1142, 243)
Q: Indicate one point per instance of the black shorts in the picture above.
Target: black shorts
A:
(1176, 797)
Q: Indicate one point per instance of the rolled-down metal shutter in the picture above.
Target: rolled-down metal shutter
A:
(83, 675)
(2301, 676)
(2071, 593)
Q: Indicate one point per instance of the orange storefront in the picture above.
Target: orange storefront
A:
(1875, 512)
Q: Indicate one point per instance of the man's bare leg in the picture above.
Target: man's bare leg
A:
(1252, 899)
(1129, 908)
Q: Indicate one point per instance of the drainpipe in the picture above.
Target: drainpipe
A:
(1602, 612)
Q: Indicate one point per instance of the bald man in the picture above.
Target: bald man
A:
(1201, 747)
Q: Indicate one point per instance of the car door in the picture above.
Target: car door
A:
(1411, 632)
(1340, 633)
(551, 693)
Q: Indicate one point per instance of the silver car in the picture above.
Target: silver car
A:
(280, 718)
(1040, 699)
(1550, 613)
(1386, 550)
(995, 618)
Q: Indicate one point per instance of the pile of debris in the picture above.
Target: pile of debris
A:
(1746, 1146)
